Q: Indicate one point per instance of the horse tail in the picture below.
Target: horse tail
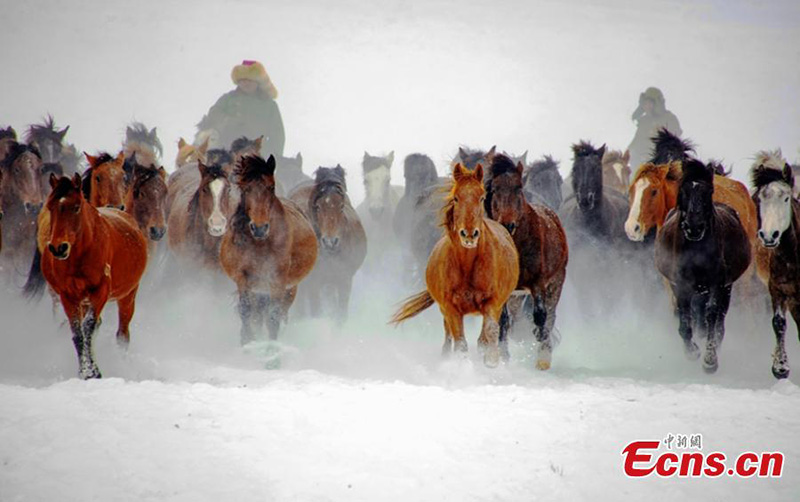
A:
(412, 306)
(34, 286)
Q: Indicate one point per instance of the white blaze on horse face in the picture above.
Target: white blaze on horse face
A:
(632, 227)
(217, 221)
(775, 207)
(376, 183)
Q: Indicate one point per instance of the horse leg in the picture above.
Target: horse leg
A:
(544, 319)
(344, 288)
(447, 348)
(490, 337)
(261, 310)
(505, 324)
(274, 313)
(683, 300)
(75, 315)
(780, 361)
(456, 322)
(126, 307)
(713, 316)
(246, 315)
(313, 293)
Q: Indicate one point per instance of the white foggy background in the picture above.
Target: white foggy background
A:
(409, 77)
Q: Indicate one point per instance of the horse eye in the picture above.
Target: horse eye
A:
(455, 199)
(653, 192)
(97, 179)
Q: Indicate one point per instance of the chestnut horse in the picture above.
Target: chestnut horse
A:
(777, 256)
(271, 247)
(21, 199)
(473, 269)
(187, 153)
(87, 256)
(701, 250)
(200, 214)
(341, 240)
(105, 182)
(542, 247)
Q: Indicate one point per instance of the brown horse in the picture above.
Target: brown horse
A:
(701, 250)
(8, 137)
(87, 256)
(777, 256)
(542, 247)
(342, 241)
(269, 250)
(21, 199)
(143, 144)
(187, 153)
(105, 182)
(187, 176)
(145, 201)
(617, 170)
(200, 214)
(473, 269)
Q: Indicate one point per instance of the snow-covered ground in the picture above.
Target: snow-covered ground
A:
(369, 412)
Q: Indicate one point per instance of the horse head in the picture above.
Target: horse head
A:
(256, 179)
(647, 194)
(695, 200)
(587, 175)
(505, 200)
(377, 182)
(327, 205)
(66, 207)
(21, 168)
(774, 201)
(104, 183)
(146, 200)
(463, 212)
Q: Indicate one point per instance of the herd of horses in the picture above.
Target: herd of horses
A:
(493, 238)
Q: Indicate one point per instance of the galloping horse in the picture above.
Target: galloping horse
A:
(269, 250)
(419, 173)
(473, 269)
(47, 139)
(701, 250)
(341, 239)
(21, 200)
(142, 143)
(541, 183)
(200, 214)
(187, 177)
(542, 247)
(87, 256)
(187, 153)
(377, 210)
(777, 256)
(105, 182)
(145, 201)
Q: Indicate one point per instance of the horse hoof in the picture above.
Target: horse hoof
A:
(780, 372)
(692, 351)
(491, 359)
(710, 365)
(542, 365)
(90, 374)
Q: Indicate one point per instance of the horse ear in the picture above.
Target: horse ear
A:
(91, 160)
(490, 154)
(204, 147)
(271, 165)
(366, 155)
(120, 157)
(299, 158)
(627, 156)
(153, 133)
(258, 142)
(788, 175)
(520, 168)
(53, 180)
(181, 143)
(162, 172)
(524, 158)
(478, 173)
(461, 154)
(458, 172)
(602, 150)
(76, 180)
(390, 157)
(62, 133)
(202, 168)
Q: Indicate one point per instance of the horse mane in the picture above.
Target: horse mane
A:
(8, 132)
(612, 156)
(18, 149)
(448, 209)
(772, 159)
(252, 168)
(719, 167)
(242, 143)
(46, 130)
(586, 149)
(137, 132)
(763, 175)
(696, 171)
(468, 157)
(64, 187)
(218, 156)
(546, 163)
(668, 147)
(53, 167)
(142, 175)
(501, 164)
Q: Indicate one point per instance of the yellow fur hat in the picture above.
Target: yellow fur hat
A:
(253, 70)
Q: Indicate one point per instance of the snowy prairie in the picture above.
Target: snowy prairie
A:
(365, 411)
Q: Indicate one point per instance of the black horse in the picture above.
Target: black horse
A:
(776, 256)
(667, 148)
(701, 250)
(542, 183)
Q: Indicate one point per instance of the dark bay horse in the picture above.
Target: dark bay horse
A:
(542, 247)
(701, 250)
(269, 250)
(778, 251)
(542, 183)
(341, 240)
(289, 172)
(145, 200)
(200, 214)
(47, 139)
(21, 198)
(473, 269)
(106, 180)
(143, 143)
(8, 137)
(87, 256)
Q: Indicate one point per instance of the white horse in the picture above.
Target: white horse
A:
(377, 209)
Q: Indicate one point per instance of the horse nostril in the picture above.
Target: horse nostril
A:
(775, 234)
(637, 228)
(156, 233)
(476, 233)
(52, 248)
(463, 233)
(762, 235)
